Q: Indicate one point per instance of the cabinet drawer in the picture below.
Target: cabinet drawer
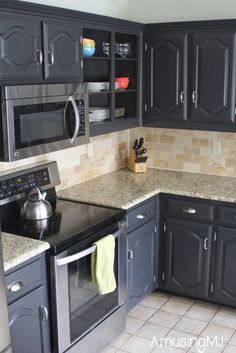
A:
(141, 215)
(226, 214)
(189, 209)
(24, 280)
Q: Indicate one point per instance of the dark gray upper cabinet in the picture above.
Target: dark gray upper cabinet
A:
(62, 51)
(167, 77)
(187, 247)
(140, 273)
(212, 99)
(225, 266)
(21, 49)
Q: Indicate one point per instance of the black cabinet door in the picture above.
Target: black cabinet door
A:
(21, 49)
(187, 257)
(225, 267)
(213, 61)
(167, 77)
(62, 51)
(141, 265)
(29, 327)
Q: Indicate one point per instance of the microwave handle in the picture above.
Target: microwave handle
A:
(77, 117)
(71, 258)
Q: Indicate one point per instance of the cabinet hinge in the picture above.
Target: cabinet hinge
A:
(215, 236)
(145, 107)
(163, 276)
(81, 64)
(145, 46)
(164, 227)
(212, 288)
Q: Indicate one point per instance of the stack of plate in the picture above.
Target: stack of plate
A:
(100, 86)
(97, 114)
(119, 112)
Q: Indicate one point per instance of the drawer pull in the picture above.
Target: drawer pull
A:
(15, 286)
(205, 243)
(189, 210)
(141, 215)
(130, 255)
(44, 312)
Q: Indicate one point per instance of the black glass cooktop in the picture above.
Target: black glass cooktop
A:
(70, 223)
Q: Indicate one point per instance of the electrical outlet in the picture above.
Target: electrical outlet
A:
(216, 147)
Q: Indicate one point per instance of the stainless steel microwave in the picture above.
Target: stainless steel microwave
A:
(42, 118)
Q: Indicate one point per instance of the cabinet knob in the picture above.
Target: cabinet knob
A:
(15, 286)
(205, 243)
(189, 210)
(194, 97)
(141, 215)
(181, 97)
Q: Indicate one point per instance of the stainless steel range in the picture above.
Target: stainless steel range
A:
(82, 319)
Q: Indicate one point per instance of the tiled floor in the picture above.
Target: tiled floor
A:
(182, 321)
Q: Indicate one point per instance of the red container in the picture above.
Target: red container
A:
(122, 81)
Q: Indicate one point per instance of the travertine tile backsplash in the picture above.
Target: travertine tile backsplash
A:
(102, 155)
(190, 151)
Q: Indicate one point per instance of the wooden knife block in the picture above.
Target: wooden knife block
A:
(135, 167)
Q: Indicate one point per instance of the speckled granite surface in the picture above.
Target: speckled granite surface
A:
(125, 189)
(17, 249)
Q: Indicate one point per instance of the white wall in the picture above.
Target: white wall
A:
(148, 11)
(116, 8)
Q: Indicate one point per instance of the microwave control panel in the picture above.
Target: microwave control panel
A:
(26, 182)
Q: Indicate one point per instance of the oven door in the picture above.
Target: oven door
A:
(44, 124)
(79, 306)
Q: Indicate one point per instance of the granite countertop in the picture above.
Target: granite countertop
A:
(124, 189)
(17, 249)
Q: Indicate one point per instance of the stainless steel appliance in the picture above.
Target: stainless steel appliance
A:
(4, 325)
(83, 320)
(42, 118)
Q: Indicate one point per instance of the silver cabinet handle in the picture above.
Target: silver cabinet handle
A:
(51, 58)
(205, 243)
(130, 255)
(141, 215)
(189, 210)
(15, 286)
(194, 97)
(39, 56)
(77, 117)
(44, 312)
(181, 97)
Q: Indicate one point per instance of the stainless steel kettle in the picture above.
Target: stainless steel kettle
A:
(36, 207)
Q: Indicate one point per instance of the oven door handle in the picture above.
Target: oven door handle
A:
(71, 258)
(77, 118)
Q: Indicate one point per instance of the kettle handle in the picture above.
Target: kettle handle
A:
(36, 189)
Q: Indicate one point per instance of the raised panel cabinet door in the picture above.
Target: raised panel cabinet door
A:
(140, 274)
(20, 49)
(62, 51)
(213, 77)
(187, 255)
(167, 77)
(29, 328)
(225, 266)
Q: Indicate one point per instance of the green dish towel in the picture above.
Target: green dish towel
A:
(102, 264)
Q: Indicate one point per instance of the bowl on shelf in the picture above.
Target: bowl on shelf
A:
(88, 42)
(123, 82)
(88, 47)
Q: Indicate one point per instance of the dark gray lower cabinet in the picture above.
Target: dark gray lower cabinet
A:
(186, 257)
(224, 285)
(141, 264)
(29, 323)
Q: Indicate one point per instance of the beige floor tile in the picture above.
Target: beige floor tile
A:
(154, 301)
(202, 311)
(191, 326)
(225, 318)
(213, 330)
(168, 350)
(233, 340)
(175, 306)
(119, 351)
(201, 349)
(120, 340)
(141, 312)
(183, 299)
(149, 331)
(161, 294)
(165, 319)
(182, 340)
(229, 349)
(109, 350)
(137, 345)
(132, 325)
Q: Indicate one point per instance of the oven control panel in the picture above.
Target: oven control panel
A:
(22, 183)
